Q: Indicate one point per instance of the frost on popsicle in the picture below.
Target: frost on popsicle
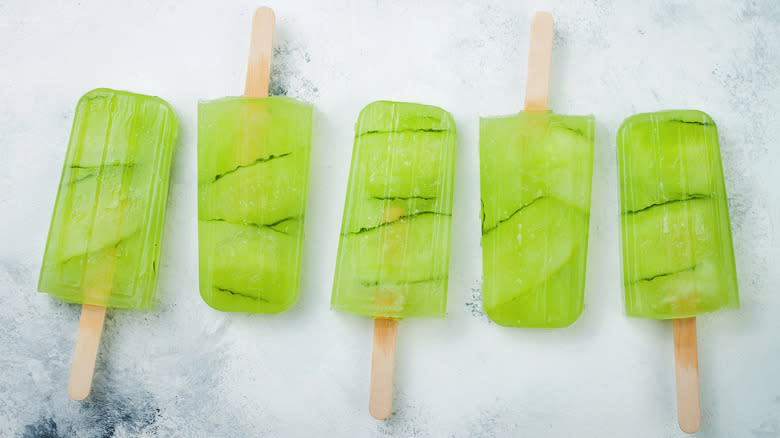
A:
(253, 158)
(394, 249)
(678, 259)
(535, 180)
(104, 241)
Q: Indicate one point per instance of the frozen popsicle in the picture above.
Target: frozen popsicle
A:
(678, 260)
(677, 252)
(535, 171)
(535, 181)
(394, 248)
(253, 158)
(104, 242)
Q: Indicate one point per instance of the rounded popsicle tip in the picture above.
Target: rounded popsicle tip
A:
(264, 13)
(380, 411)
(542, 17)
(78, 391)
(689, 424)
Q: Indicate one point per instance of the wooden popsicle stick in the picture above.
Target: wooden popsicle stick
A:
(380, 398)
(85, 354)
(258, 72)
(380, 401)
(537, 85)
(687, 371)
(97, 286)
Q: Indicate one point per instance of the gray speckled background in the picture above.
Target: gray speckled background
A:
(187, 370)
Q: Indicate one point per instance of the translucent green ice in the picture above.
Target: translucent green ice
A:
(104, 241)
(535, 180)
(678, 259)
(253, 162)
(394, 249)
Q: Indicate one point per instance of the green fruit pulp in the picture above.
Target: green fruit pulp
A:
(535, 181)
(393, 254)
(678, 259)
(253, 161)
(104, 240)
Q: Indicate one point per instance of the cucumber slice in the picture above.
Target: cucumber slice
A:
(250, 269)
(239, 132)
(669, 238)
(397, 269)
(672, 254)
(554, 303)
(530, 246)
(262, 193)
(667, 156)
(404, 164)
(685, 293)
(371, 212)
(528, 156)
(112, 268)
(103, 206)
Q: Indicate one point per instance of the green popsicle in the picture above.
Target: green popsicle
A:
(678, 260)
(253, 159)
(104, 241)
(394, 249)
(535, 180)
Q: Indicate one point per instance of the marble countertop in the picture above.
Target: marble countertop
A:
(187, 370)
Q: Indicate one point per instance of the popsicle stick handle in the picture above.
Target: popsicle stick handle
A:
(87, 342)
(380, 400)
(258, 72)
(539, 56)
(687, 371)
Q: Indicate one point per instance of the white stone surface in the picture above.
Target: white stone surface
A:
(187, 370)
